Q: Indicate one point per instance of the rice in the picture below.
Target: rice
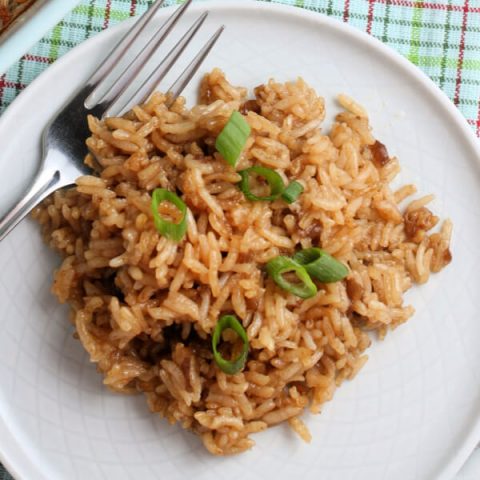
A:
(145, 307)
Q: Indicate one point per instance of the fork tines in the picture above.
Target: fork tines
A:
(107, 99)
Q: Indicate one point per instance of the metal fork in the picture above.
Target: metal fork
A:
(64, 138)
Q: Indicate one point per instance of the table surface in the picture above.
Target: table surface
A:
(442, 37)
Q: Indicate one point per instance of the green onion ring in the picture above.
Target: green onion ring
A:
(230, 367)
(292, 192)
(232, 139)
(274, 180)
(170, 230)
(321, 265)
(280, 265)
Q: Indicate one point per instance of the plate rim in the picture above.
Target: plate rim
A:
(18, 462)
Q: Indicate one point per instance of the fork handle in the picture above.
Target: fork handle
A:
(45, 182)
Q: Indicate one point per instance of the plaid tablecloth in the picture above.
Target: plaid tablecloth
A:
(442, 37)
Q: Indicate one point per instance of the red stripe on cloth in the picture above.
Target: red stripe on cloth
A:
(37, 58)
(4, 83)
(371, 5)
(475, 123)
(2, 86)
(478, 120)
(461, 52)
(430, 5)
(346, 11)
(108, 8)
(133, 8)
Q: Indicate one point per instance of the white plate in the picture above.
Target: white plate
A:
(413, 411)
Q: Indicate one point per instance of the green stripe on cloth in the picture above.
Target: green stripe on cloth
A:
(443, 58)
(416, 33)
(55, 42)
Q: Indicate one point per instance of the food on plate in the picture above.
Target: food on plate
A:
(11, 9)
(230, 260)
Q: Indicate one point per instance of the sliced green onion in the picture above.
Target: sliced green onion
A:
(232, 138)
(292, 192)
(230, 367)
(321, 265)
(278, 266)
(274, 180)
(173, 231)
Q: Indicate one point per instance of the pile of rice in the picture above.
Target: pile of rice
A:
(11, 9)
(145, 307)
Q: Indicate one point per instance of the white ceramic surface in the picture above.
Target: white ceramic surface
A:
(471, 470)
(29, 29)
(413, 411)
